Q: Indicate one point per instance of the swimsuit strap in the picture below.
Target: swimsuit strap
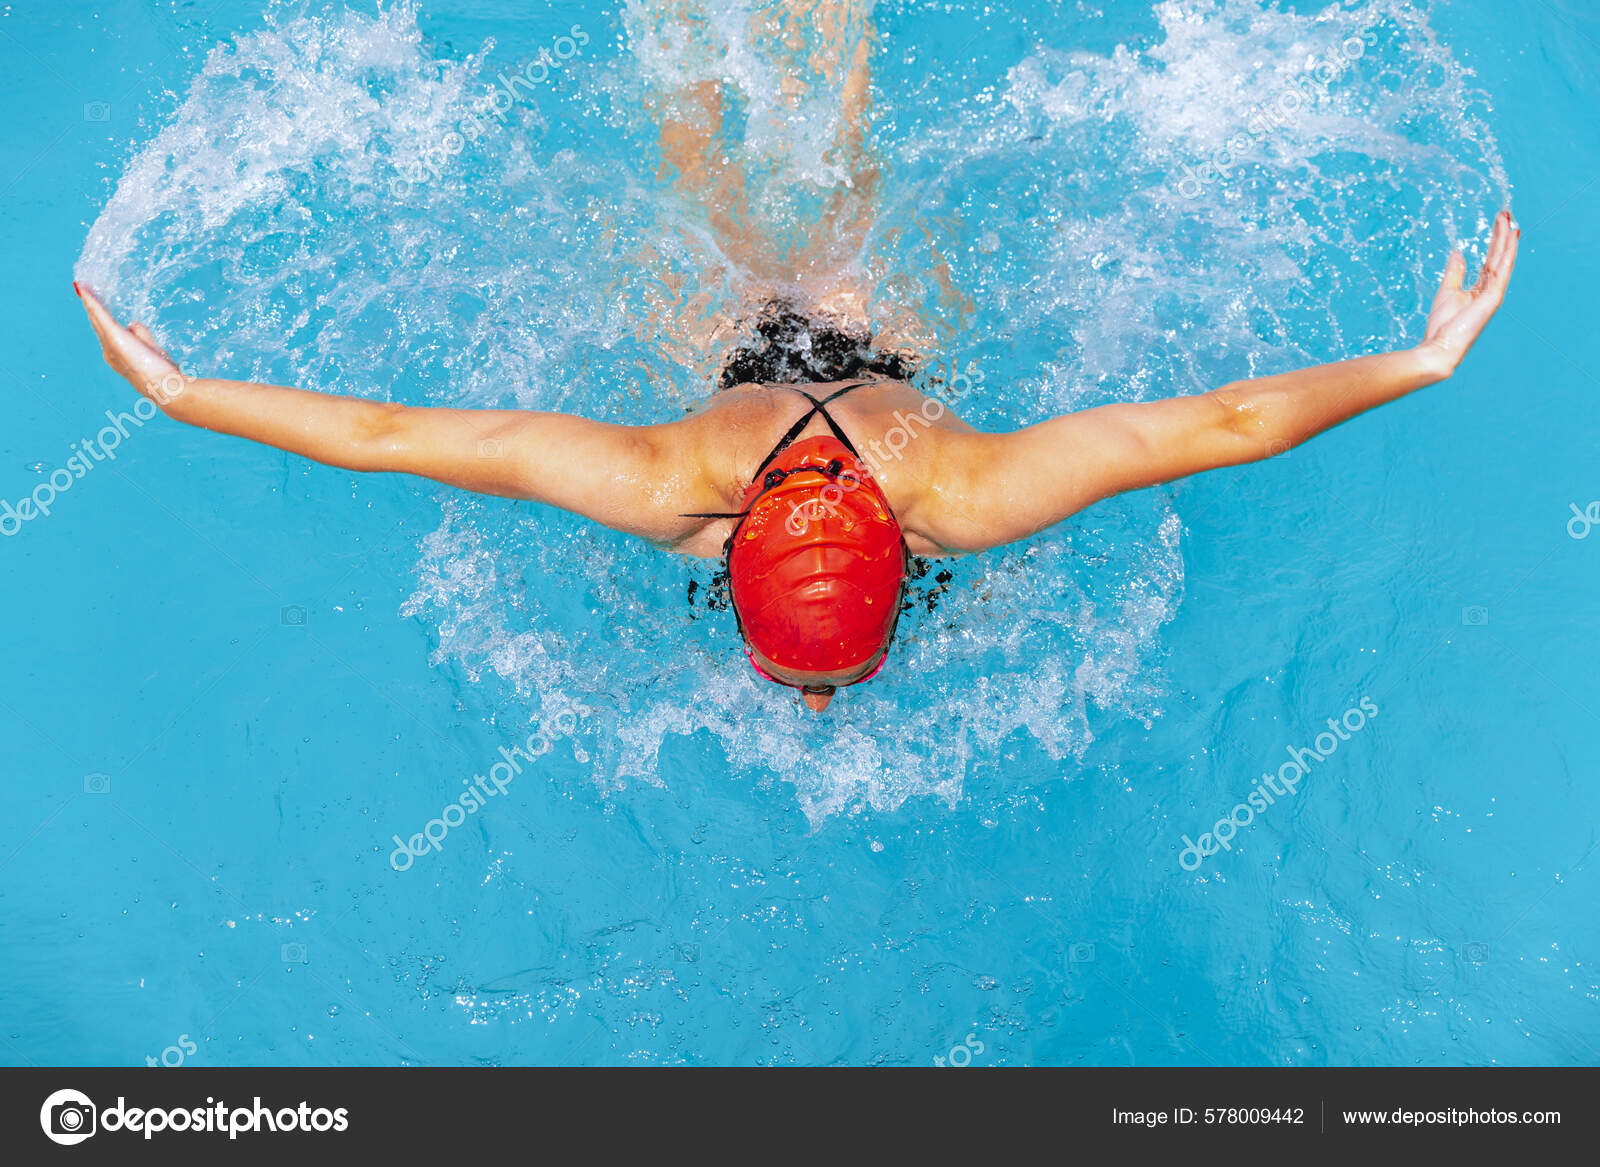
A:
(788, 440)
(832, 469)
(799, 427)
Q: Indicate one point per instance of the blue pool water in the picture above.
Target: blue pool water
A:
(235, 677)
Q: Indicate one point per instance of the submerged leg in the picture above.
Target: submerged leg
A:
(835, 265)
(782, 235)
(696, 161)
(822, 45)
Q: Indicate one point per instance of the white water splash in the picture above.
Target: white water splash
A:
(545, 269)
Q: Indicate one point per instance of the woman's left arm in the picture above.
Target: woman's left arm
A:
(1006, 487)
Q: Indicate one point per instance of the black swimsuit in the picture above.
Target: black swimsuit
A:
(831, 470)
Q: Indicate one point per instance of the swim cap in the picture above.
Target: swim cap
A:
(818, 563)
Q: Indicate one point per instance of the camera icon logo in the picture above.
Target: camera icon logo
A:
(294, 952)
(1277, 447)
(491, 448)
(294, 616)
(1474, 616)
(96, 111)
(1476, 952)
(97, 784)
(68, 1117)
(1081, 953)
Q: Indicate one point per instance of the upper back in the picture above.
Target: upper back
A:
(899, 434)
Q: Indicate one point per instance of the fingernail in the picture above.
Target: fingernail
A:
(77, 289)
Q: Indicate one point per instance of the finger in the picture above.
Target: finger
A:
(1490, 293)
(143, 334)
(1499, 238)
(99, 316)
(1454, 272)
(1498, 243)
(1492, 280)
(1502, 256)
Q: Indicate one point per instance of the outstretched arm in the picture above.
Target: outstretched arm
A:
(622, 476)
(1013, 485)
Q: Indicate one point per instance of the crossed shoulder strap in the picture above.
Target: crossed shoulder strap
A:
(788, 439)
(799, 427)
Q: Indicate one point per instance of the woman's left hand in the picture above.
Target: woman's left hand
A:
(1459, 315)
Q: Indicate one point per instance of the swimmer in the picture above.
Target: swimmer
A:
(815, 471)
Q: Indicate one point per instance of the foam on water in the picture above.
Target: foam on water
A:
(1039, 221)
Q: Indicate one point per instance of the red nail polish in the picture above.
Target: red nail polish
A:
(77, 289)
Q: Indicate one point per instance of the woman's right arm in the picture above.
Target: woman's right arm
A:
(630, 478)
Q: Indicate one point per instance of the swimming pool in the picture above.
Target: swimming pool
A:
(241, 682)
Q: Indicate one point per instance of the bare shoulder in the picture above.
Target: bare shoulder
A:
(981, 490)
(917, 448)
(729, 433)
(931, 476)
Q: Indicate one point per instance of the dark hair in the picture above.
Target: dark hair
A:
(792, 349)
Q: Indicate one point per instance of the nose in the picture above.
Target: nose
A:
(817, 702)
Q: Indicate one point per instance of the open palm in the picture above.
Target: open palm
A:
(132, 352)
(1458, 314)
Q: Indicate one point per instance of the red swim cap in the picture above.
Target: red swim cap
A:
(818, 563)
